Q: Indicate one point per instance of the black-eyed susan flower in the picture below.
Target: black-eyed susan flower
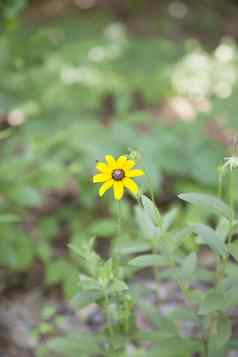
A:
(117, 174)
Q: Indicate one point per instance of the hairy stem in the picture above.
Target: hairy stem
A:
(156, 273)
(114, 254)
(231, 204)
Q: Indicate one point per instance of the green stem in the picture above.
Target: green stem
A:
(156, 273)
(220, 182)
(118, 219)
(115, 263)
(223, 262)
(149, 183)
(152, 196)
(231, 203)
(108, 322)
(205, 342)
(180, 283)
(114, 241)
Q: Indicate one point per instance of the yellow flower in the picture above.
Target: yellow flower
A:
(117, 174)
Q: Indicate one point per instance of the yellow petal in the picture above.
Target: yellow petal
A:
(118, 189)
(130, 184)
(134, 173)
(121, 161)
(100, 178)
(111, 162)
(106, 186)
(101, 166)
(129, 164)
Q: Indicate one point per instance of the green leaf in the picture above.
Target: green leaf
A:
(12, 8)
(188, 267)
(197, 296)
(223, 228)
(149, 260)
(231, 297)
(26, 196)
(147, 227)
(55, 271)
(9, 218)
(182, 314)
(49, 228)
(207, 201)
(233, 344)
(212, 302)
(117, 286)
(133, 247)
(176, 346)
(179, 237)
(70, 282)
(104, 227)
(80, 344)
(62, 271)
(233, 250)
(204, 275)
(85, 298)
(168, 219)
(211, 238)
(43, 250)
(151, 210)
(24, 252)
(88, 283)
(167, 328)
(223, 330)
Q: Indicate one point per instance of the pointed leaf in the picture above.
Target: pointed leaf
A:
(169, 218)
(133, 247)
(188, 266)
(208, 201)
(149, 260)
(211, 238)
(147, 227)
(151, 210)
(233, 250)
(223, 228)
(87, 297)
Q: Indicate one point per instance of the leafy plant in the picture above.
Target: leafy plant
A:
(58, 116)
(208, 296)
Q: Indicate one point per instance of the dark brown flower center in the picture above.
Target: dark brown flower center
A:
(118, 174)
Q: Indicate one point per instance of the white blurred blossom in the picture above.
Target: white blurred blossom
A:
(83, 74)
(115, 32)
(178, 9)
(225, 52)
(16, 117)
(200, 74)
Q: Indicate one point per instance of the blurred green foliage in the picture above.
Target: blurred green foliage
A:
(9, 10)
